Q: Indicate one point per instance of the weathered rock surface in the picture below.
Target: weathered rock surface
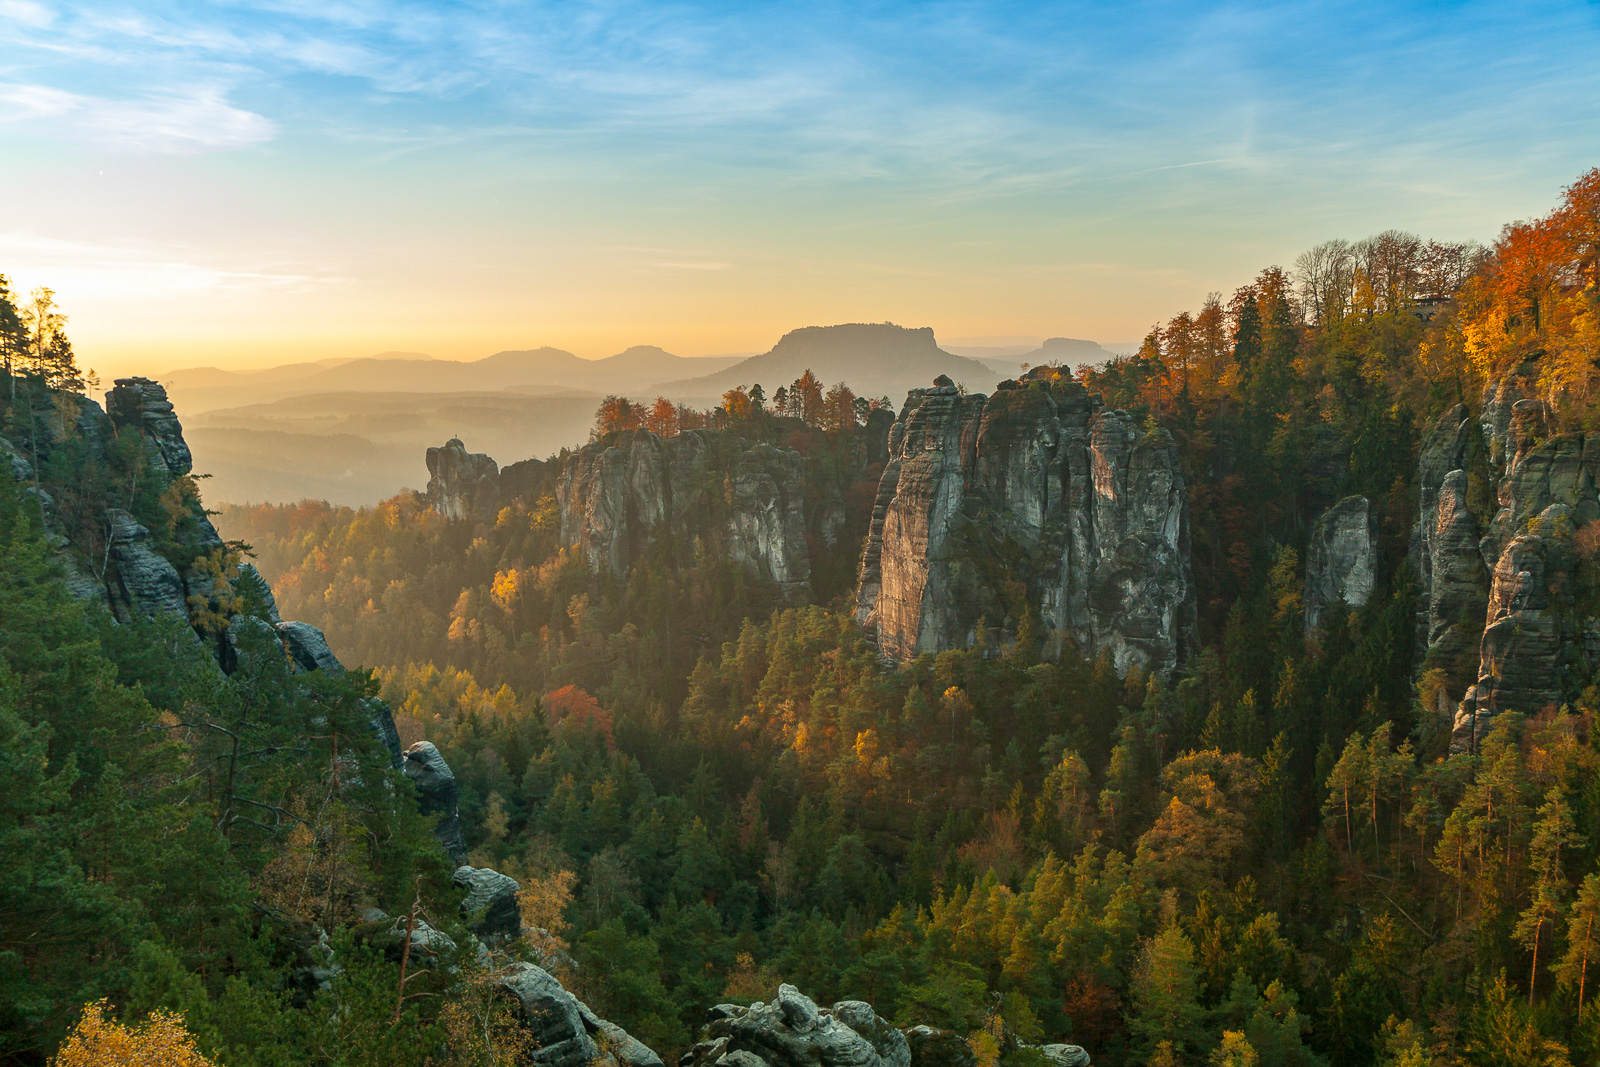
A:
(1498, 589)
(143, 403)
(1530, 639)
(617, 498)
(792, 1031)
(462, 484)
(1444, 546)
(565, 1031)
(1035, 484)
(491, 902)
(437, 792)
(142, 581)
(1066, 1055)
(1342, 558)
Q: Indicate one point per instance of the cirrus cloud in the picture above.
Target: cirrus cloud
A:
(171, 123)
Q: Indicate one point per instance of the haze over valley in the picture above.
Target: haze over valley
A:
(354, 431)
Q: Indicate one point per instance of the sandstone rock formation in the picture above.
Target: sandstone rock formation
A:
(1530, 638)
(616, 498)
(143, 403)
(1498, 580)
(792, 1031)
(462, 484)
(1035, 484)
(436, 789)
(1341, 559)
(490, 903)
(565, 1032)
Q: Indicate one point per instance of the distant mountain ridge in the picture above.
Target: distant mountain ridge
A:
(874, 359)
(204, 388)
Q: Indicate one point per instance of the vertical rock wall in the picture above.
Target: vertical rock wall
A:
(1341, 559)
(1037, 486)
(617, 498)
(1500, 565)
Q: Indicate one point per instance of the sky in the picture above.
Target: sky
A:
(244, 183)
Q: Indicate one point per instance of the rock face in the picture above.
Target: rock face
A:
(436, 788)
(1035, 484)
(565, 1031)
(1498, 563)
(1530, 638)
(143, 403)
(617, 498)
(1342, 559)
(492, 898)
(143, 582)
(462, 484)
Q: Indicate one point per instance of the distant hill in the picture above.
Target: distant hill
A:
(1067, 351)
(874, 359)
(541, 370)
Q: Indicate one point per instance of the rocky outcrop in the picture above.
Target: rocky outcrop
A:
(143, 582)
(618, 497)
(565, 1032)
(143, 404)
(1444, 546)
(1341, 559)
(462, 484)
(436, 790)
(792, 1031)
(491, 902)
(1530, 640)
(1036, 484)
(1498, 580)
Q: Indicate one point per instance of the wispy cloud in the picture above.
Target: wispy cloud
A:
(174, 123)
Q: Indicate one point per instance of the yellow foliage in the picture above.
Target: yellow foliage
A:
(159, 1041)
(542, 903)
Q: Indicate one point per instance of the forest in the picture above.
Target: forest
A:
(1273, 856)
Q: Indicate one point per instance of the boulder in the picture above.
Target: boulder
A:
(1066, 1055)
(490, 905)
(931, 1047)
(565, 1031)
(309, 648)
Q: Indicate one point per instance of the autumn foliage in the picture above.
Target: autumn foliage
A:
(98, 1041)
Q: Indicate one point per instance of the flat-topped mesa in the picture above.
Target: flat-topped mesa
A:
(1036, 485)
(618, 496)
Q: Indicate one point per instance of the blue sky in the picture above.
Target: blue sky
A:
(248, 182)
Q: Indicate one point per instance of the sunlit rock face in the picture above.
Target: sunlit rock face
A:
(1506, 506)
(462, 484)
(618, 497)
(1036, 491)
(1341, 559)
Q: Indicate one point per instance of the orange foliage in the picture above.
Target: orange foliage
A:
(571, 706)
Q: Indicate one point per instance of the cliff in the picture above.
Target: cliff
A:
(618, 497)
(1034, 487)
(1504, 551)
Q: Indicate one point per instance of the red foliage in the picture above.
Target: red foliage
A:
(571, 708)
